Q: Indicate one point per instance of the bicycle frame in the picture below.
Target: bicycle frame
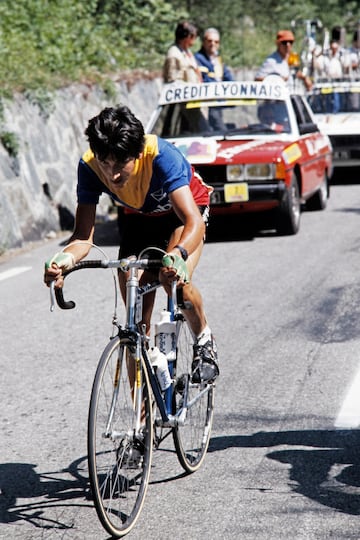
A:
(134, 300)
(130, 332)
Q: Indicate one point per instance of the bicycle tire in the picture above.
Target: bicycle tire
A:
(191, 439)
(119, 464)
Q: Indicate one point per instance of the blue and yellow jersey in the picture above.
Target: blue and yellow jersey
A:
(159, 171)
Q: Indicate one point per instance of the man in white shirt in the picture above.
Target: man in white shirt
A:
(180, 63)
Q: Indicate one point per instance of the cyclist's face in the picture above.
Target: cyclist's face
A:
(116, 172)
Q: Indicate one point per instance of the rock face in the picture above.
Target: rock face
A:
(38, 183)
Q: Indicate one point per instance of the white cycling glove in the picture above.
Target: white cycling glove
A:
(63, 259)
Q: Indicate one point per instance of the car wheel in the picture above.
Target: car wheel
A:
(288, 213)
(319, 200)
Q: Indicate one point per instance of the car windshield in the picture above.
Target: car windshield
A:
(328, 100)
(227, 118)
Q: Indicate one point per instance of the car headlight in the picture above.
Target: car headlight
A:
(235, 173)
(260, 171)
(251, 171)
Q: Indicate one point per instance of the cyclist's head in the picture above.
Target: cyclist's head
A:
(116, 132)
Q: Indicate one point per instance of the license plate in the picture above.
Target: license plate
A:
(236, 192)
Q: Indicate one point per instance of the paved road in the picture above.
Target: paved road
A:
(283, 461)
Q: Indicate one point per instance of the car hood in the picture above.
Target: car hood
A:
(339, 124)
(205, 150)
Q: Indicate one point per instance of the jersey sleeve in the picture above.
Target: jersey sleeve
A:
(171, 167)
(89, 186)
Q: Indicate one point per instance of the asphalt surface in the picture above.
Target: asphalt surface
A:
(283, 461)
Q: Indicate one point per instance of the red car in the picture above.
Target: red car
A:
(256, 144)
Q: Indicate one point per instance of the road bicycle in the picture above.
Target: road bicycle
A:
(129, 413)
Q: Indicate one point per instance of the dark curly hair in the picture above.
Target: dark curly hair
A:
(116, 132)
(185, 29)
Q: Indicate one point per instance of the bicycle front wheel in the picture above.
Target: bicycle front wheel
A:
(196, 401)
(120, 435)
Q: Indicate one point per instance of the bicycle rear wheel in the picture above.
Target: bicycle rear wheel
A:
(192, 438)
(119, 448)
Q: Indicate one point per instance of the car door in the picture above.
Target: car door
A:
(313, 147)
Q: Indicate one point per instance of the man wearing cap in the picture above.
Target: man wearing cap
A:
(277, 62)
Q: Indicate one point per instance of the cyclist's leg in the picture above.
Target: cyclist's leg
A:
(193, 402)
(205, 365)
(196, 315)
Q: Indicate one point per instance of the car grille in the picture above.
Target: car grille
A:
(345, 141)
(213, 174)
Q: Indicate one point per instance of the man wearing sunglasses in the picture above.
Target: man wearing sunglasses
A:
(277, 62)
(211, 66)
(213, 69)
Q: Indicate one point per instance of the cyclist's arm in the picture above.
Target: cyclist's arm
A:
(83, 232)
(186, 209)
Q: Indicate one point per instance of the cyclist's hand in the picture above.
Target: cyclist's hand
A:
(54, 266)
(176, 267)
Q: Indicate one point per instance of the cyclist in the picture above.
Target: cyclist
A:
(166, 205)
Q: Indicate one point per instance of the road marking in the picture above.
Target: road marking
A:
(349, 414)
(14, 272)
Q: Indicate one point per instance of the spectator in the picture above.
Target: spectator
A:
(277, 62)
(180, 63)
(209, 60)
(333, 66)
(338, 54)
(355, 51)
(213, 69)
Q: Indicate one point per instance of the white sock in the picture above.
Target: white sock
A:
(204, 336)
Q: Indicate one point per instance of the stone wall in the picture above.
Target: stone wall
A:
(37, 187)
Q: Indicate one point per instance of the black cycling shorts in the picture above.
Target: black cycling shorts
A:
(140, 231)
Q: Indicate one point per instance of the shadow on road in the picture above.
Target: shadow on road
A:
(243, 227)
(41, 499)
(345, 176)
(324, 466)
(42, 491)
